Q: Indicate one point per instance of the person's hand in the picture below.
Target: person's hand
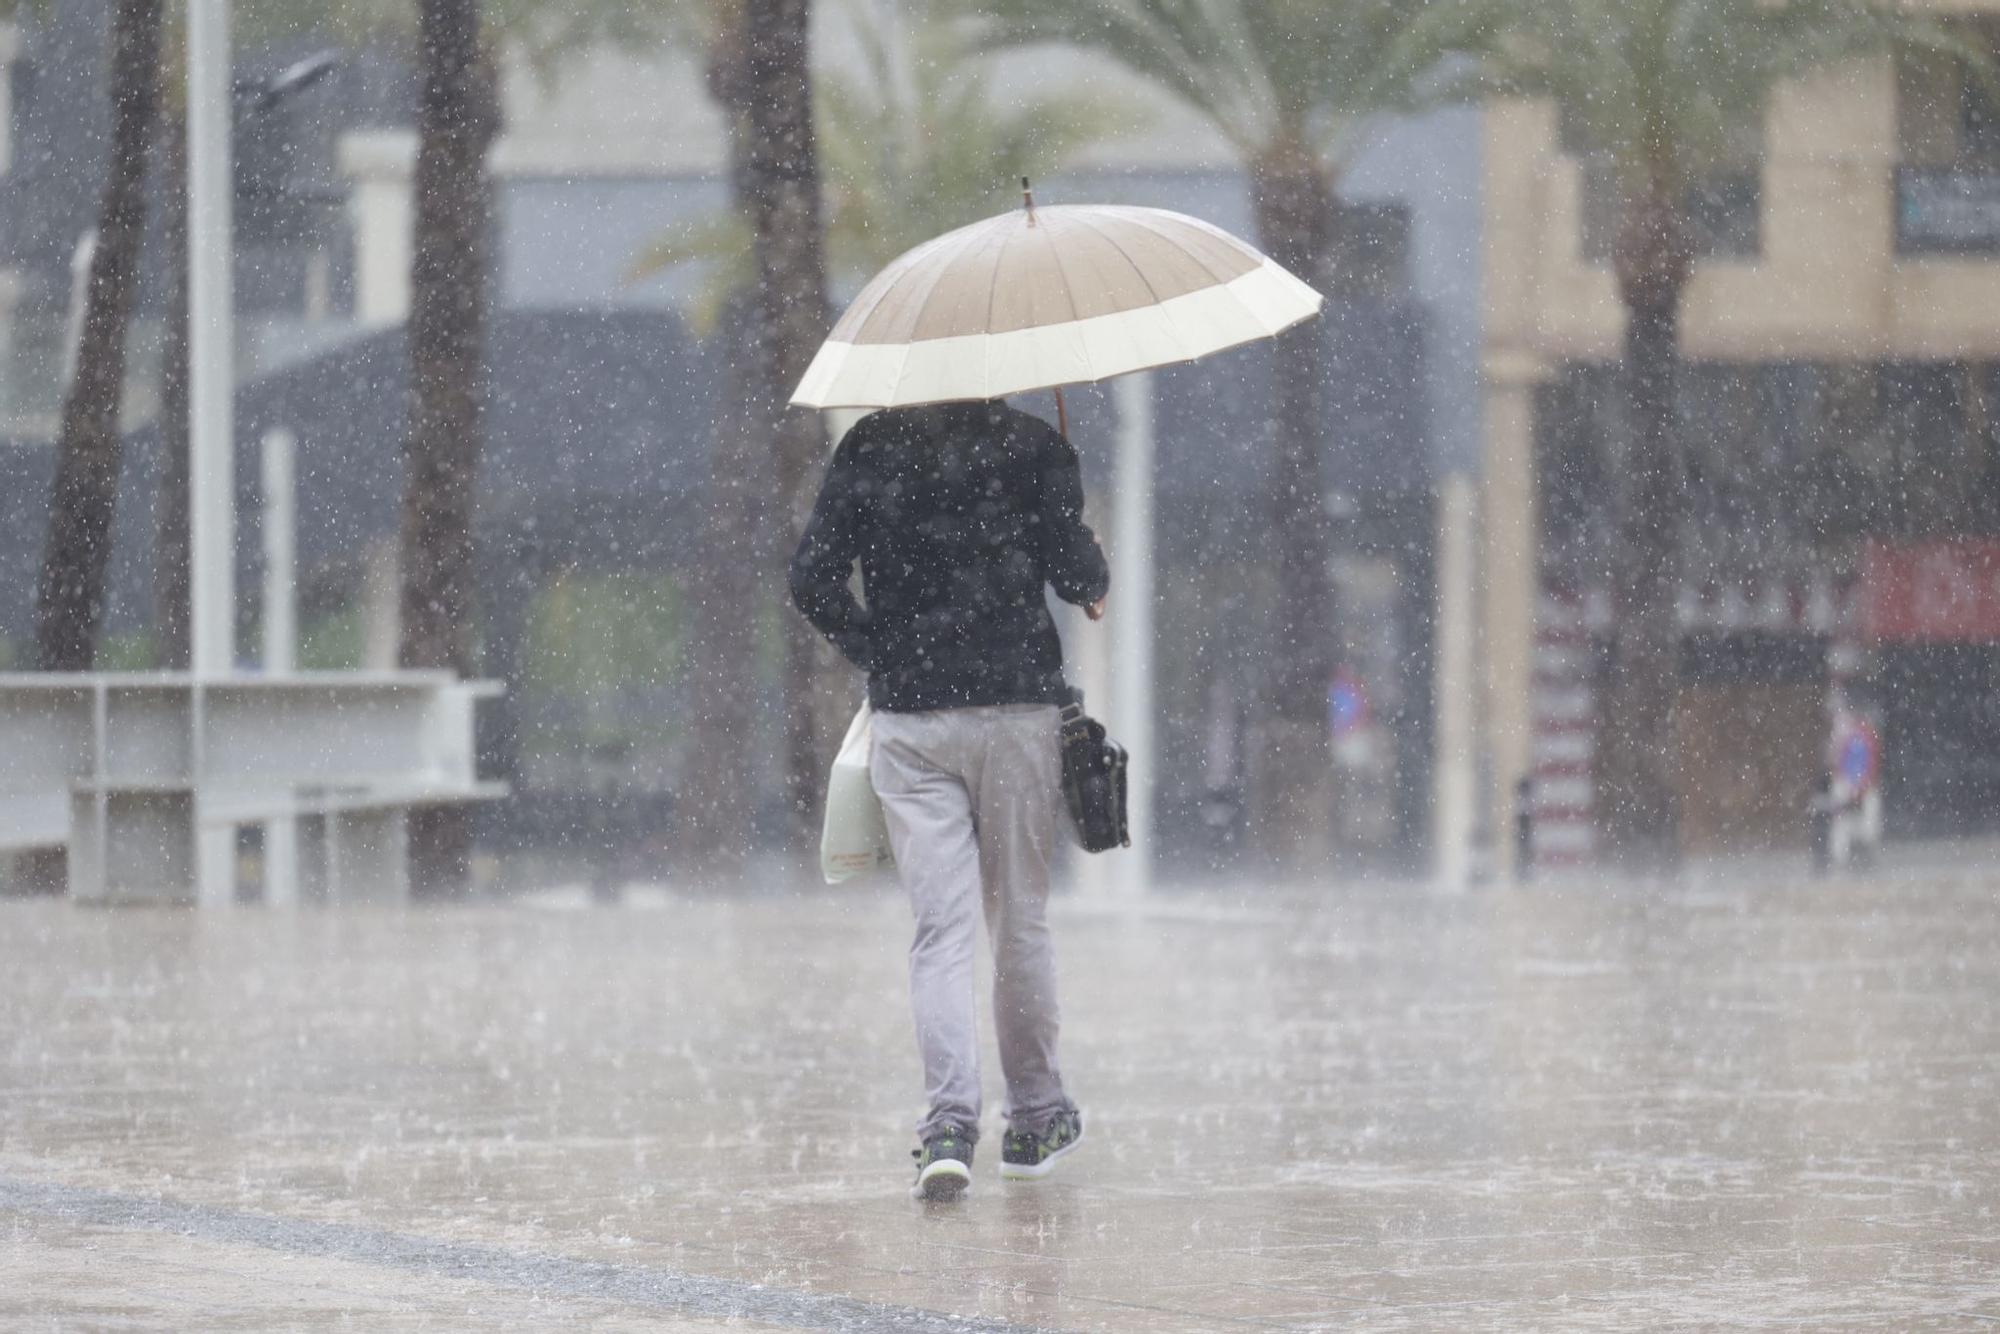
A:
(1095, 611)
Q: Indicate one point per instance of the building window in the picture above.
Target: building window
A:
(1724, 206)
(1978, 124)
(1947, 211)
(1947, 184)
(1724, 210)
(32, 378)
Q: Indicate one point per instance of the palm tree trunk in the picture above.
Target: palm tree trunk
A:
(717, 815)
(1293, 792)
(1638, 806)
(171, 593)
(782, 178)
(714, 812)
(458, 117)
(69, 603)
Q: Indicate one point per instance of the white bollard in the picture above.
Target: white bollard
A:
(278, 459)
(1128, 713)
(279, 463)
(1455, 789)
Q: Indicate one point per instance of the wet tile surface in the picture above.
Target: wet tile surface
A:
(113, 1278)
(1581, 1107)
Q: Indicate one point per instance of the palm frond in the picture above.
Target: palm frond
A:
(722, 243)
(918, 142)
(1193, 49)
(1684, 83)
(542, 31)
(1264, 72)
(718, 239)
(913, 142)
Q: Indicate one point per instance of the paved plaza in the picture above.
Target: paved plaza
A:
(1746, 1102)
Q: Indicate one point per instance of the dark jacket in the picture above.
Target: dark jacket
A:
(959, 514)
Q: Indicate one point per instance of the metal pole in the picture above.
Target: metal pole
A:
(280, 616)
(1088, 652)
(277, 457)
(1454, 769)
(211, 449)
(1131, 614)
(211, 343)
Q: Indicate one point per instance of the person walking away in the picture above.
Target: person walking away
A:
(960, 514)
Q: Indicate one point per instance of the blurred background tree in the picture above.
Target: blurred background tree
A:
(781, 197)
(69, 604)
(459, 118)
(90, 449)
(912, 147)
(1665, 93)
(1294, 87)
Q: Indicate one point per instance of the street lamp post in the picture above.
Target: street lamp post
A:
(211, 409)
(1131, 613)
(211, 344)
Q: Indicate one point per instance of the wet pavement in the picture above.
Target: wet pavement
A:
(1753, 1101)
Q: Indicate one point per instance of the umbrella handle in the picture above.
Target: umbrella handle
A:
(1062, 414)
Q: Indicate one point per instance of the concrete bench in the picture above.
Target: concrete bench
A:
(145, 777)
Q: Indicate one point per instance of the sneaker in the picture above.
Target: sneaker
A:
(944, 1166)
(1024, 1157)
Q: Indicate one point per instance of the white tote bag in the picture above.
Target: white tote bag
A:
(855, 838)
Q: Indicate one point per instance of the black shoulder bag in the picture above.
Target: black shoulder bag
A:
(1093, 779)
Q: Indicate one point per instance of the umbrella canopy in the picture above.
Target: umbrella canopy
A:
(1044, 297)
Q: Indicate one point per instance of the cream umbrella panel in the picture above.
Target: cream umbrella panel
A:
(1044, 297)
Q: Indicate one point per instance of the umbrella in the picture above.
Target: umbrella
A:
(1041, 298)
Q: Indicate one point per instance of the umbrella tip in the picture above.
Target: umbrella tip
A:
(1028, 200)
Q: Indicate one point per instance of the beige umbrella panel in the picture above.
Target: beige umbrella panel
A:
(1044, 297)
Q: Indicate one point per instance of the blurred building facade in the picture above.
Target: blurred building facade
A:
(1841, 340)
(586, 506)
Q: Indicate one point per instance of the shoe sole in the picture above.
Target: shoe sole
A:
(945, 1179)
(1035, 1171)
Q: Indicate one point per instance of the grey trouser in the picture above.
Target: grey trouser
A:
(972, 798)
